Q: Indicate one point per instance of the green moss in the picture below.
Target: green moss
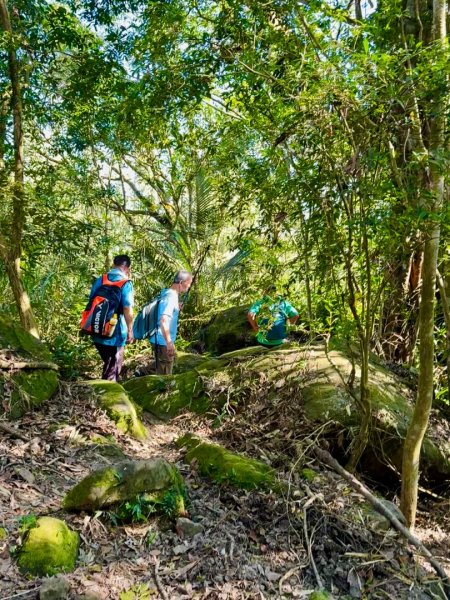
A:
(102, 439)
(93, 490)
(26, 389)
(122, 482)
(30, 389)
(324, 401)
(115, 401)
(3, 533)
(320, 595)
(14, 337)
(49, 548)
(308, 474)
(166, 396)
(228, 330)
(186, 361)
(221, 465)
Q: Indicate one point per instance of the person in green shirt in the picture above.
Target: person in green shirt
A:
(269, 316)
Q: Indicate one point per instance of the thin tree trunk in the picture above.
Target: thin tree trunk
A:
(11, 249)
(420, 418)
(446, 311)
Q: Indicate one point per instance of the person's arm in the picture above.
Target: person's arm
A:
(128, 314)
(290, 312)
(251, 318)
(164, 326)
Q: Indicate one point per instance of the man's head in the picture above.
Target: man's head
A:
(122, 262)
(182, 281)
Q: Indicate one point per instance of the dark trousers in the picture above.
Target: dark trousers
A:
(163, 364)
(112, 357)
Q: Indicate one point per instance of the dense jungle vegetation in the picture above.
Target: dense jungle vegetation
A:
(304, 144)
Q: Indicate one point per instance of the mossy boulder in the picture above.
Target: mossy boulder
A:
(49, 547)
(325, 398)
(24, 389)
(186, 361)
(227, 330)
(223, 466)
(15, 338)
(314, 379)
(119, 407)
(126, 481)
(166, 395)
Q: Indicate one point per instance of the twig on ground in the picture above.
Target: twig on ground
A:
(309, 549)
(13, 432)
(326, 457)
(286, 576)
(20, 594)
(158, 581)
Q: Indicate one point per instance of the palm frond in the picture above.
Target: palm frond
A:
(237, 260)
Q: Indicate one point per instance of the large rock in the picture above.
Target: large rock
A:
(314, 379)
(228, 330)
(114, 400)
(126, 481)
(165, 396)
(27, 385)
(223, 466)
(49, 547)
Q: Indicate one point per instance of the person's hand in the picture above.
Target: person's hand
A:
(130, 338)
(170, 350)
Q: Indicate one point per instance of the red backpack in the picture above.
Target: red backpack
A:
(101, 313)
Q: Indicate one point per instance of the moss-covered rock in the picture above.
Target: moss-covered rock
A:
(325, 398)
(223, 466)
(165, 396)
(187, 361)
(15, 338)
(315, 381)
(228, 330)
(24, 389)
(48, 548)
(119, 407)
(126, 481)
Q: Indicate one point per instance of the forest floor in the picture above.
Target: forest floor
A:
(254, 545)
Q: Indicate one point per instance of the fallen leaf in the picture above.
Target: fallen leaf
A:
(272, 576)
(180, 549)
(4, 492)
(26, 475)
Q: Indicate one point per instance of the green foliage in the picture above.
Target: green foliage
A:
(139, 591)
(27, 522)
(279, 139)
(144, 506)
(138, 510)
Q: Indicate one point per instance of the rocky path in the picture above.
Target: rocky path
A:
(250, 545)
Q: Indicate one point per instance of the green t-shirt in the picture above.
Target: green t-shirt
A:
(272, 318)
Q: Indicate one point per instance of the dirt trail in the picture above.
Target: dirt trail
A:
(253, 545)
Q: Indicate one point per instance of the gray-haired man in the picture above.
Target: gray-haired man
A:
(167, 319)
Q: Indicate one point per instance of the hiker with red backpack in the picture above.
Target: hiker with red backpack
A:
(108, 317)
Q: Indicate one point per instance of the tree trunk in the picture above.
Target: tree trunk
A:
(420, 418)
(446, 311)
(11, 247)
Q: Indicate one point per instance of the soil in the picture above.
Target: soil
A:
(254, 545)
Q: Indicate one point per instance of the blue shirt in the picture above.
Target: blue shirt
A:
(273, 315)
(119, 338)
(169, 307)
